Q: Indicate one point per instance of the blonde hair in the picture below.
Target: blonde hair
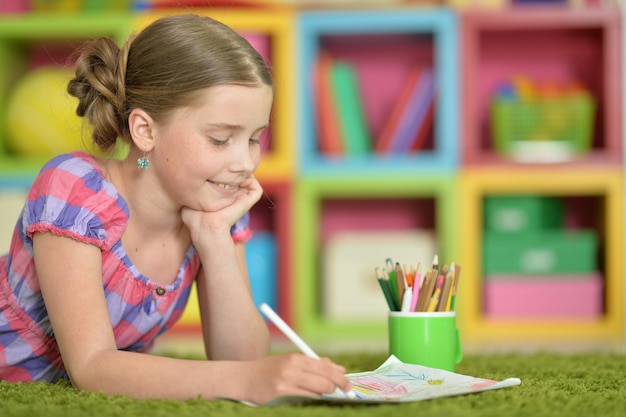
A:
(158, 71)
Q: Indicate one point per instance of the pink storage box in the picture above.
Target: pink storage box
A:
(543, 296)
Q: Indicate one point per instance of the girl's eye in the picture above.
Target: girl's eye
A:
(255, 141)
(219, 142)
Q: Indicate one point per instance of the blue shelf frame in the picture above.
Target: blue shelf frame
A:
(442, 25)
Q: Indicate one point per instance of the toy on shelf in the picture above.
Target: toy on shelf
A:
(542, 121)
(41, 120)
(41, 117)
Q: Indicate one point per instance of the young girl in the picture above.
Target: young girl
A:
(105, 250)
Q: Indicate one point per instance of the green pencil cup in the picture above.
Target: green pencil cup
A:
(428, 339)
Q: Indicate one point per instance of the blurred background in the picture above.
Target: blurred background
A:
(486, 132)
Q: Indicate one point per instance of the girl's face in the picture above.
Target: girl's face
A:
(203, 153)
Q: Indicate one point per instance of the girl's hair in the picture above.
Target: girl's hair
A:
(159, 70)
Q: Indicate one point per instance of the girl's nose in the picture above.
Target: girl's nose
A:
(247, 158)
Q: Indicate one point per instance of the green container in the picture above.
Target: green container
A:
(562, 120)
(547, 252)
(522, 213)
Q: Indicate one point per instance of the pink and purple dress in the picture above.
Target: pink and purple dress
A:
(70, 197)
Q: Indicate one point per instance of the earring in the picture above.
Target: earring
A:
(142, 163)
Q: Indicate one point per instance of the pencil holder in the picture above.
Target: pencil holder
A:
(428, 339)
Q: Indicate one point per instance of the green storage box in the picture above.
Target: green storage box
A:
(522, 213)
(558, 120)
(547, 252)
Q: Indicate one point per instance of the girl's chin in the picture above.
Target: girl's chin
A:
(216, 206)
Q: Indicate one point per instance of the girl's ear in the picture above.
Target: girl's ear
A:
(141, 127)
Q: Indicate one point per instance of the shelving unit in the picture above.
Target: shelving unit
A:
(383, 45)
(328, 206)
(553, 44)
(605, 187)
(312, 198)
(39, 40)
(557, 45)
(370, 192)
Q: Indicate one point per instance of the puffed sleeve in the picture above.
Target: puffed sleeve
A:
(70, 197)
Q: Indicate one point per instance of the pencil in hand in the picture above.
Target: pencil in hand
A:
(293, 336)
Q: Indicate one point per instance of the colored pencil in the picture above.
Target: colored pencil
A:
(417, 282)
(457, 274)
(444, 301)
(400, 281)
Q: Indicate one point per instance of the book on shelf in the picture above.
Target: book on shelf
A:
(397, 111)
(350, 111)
(329, 136)
(426, 128)
(411, 118)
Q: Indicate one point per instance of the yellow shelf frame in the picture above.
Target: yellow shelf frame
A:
(279, 25)
(478, 183)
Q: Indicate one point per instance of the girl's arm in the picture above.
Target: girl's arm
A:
(232, 327)
(71, 283)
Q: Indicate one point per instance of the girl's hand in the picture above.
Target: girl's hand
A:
(201, 222)
(249, 193)
(292, 374)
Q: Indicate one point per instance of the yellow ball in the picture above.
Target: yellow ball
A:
(41, 117)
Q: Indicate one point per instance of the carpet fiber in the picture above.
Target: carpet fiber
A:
(583, 384)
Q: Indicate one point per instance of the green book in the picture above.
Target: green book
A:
(351, 116)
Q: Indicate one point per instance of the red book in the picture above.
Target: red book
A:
(329, 133)
(425, 129)
(395, 118)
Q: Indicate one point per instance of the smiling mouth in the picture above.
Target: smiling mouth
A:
(224, 186)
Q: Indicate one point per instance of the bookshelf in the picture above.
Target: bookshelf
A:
(368, 192)
(313, 198)
(546, 44)
(603, 213)
(553, 44)
(426, 37)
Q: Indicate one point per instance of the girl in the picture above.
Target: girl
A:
(105, 250)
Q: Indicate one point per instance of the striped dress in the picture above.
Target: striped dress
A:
(70, 197)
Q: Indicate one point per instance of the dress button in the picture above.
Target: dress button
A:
(160, 290)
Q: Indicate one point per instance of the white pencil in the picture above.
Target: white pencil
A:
(293, 336)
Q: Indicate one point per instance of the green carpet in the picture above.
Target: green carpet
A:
(584, 384)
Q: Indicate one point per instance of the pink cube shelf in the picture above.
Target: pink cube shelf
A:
(541, 43)
(543, 296)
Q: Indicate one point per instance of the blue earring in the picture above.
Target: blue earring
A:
(142, 163)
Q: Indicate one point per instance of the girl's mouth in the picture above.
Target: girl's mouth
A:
(224, 186)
